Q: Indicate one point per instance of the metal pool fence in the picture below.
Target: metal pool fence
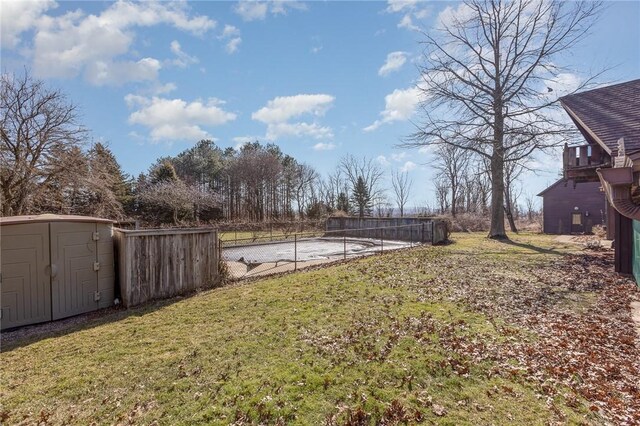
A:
(262, 255)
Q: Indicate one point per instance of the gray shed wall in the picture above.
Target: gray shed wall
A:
(54, 269)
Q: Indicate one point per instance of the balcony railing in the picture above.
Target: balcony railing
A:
(581, 162)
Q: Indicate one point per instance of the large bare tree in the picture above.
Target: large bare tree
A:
(38, 126)
(488, 76)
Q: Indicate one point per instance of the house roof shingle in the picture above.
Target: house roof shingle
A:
(609, 113)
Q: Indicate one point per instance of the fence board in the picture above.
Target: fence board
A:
(157, 264)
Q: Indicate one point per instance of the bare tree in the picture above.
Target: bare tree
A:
(512, 172)
(37, 126)
(451, 162)
(530, 204)
(401, 188)
(487, 80)
(367, 170)
(442, 193)
(175, 199)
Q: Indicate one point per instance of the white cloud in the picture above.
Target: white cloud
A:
(382, 160)
(410, 9)
(400, 105)
(449, 15)
(399, 156)
(407, 23)
(278, 111)
(115, 73)
(75, 43)
(182, 59)
(232, 35)
(314, 130)
(232, 45)
(282, 108)
(323, 146)
(176, 119)
(394, 6)
(395, 61)
(230, 31)
(408, 166)
(18, 17)
(563, 84)
(426, 149)
(252, 10)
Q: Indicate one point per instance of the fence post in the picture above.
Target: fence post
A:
(433, 231)
(295, 252)
(410, 235)
(381, 240)
(422, 239)
(345, 246)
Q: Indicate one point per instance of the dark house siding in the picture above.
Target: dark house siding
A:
(559, 203)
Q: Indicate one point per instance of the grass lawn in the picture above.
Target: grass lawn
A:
(475, 332)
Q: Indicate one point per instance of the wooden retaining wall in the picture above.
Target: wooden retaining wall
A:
(416, 229)
(161, 263)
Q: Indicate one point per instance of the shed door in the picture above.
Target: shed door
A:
(74, 282)
(576, 222)
(25, 290)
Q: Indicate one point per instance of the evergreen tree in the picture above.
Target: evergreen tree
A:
(342, 202)
(361, 198)
(163, 171)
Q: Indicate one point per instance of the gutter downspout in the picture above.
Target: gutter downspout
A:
(616, 182)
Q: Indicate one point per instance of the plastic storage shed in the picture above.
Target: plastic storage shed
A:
(54, 267)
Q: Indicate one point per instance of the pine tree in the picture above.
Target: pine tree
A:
(342, 202)
(361, 198)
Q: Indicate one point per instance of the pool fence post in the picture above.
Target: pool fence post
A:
(433, 231)
(345, 246)
(410, 235)
(295, 252)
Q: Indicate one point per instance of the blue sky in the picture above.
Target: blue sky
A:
(320, 79)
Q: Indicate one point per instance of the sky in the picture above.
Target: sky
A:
(319, 79)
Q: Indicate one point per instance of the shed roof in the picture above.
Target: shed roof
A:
(553, 185)
(13, 220)
(608, 114)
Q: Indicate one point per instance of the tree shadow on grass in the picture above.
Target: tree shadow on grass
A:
(532, 247)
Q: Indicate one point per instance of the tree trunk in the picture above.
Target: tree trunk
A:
(509, 212)
(497, 230)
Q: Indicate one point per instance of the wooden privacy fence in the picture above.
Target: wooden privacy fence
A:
(158, 263)
(425, 230)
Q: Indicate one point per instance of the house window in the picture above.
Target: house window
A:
(576, 219)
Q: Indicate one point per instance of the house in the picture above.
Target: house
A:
(609, 120)
(569, 207)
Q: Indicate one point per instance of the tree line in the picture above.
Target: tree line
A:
(46, 167)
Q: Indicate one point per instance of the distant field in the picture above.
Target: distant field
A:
(476, 332)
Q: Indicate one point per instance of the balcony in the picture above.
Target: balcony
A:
(580, 162)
